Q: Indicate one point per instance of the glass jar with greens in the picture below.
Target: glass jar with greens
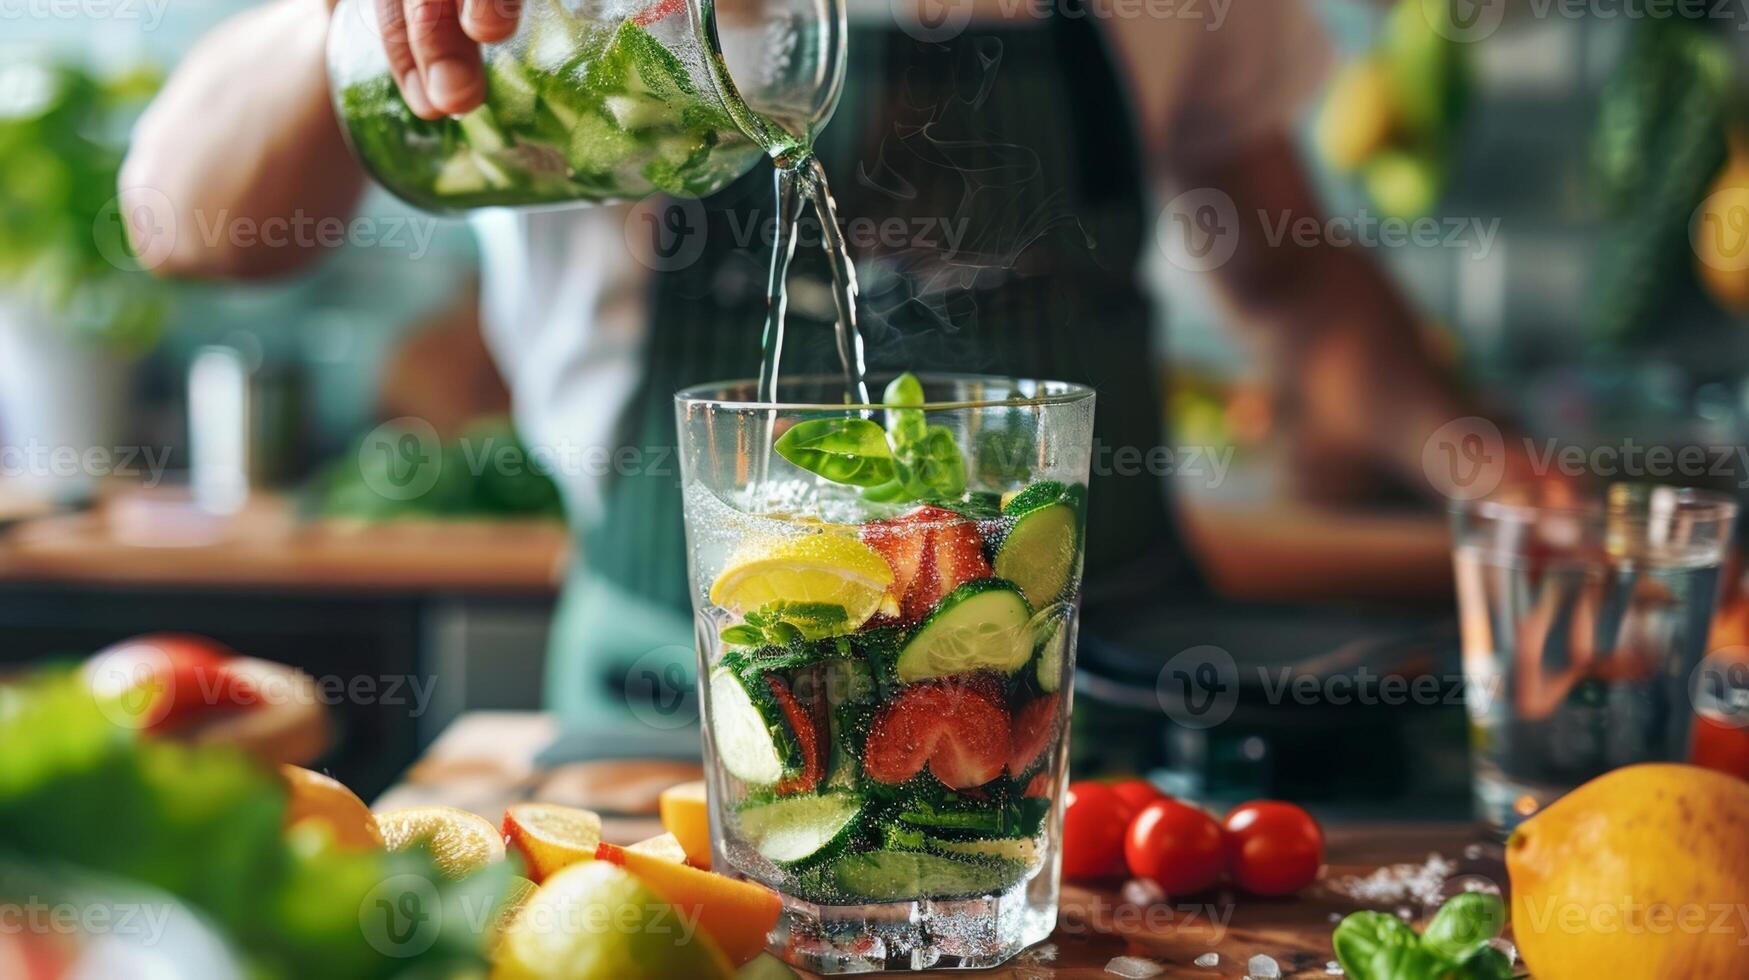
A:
(599, 100)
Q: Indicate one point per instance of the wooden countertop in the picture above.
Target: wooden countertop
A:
(156, 541)
(484, 761)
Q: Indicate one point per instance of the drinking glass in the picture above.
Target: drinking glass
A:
(886, 684)
(599, 100)
(1583, 629)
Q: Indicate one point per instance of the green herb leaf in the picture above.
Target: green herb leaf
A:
(904, 426)
(782, 624)
(1463, 924)
(851, 451)
(1406, 962)
(1363, 937)
(1484, 963)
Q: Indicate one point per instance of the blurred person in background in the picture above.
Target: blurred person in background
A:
(1040, 139)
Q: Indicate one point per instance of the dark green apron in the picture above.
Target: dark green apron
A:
(1009, 155)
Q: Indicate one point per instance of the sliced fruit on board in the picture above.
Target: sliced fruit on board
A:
(1033, 731)
(801, 830)
(550, 837)
(664, 846)
(576, 927)
(460, 842)
(736, 914)
(957, 728)
(685, 810)
(315, 798)
(982, 625)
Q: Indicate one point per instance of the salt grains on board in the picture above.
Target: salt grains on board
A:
(1399, 882)
(1134, 967)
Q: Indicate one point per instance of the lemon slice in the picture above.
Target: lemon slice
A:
(829, 568)
(460, 842)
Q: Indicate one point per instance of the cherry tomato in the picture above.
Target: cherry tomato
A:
(1176, 846)
(1137, 793)
(1273, 848)
(1094, 816)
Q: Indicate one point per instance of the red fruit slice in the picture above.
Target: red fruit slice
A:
(1034, 729)
(958, 730)
(802, 723)
(187, 678)
(954, 556)
(901, 541)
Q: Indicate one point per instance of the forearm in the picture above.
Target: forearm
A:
(240, 150)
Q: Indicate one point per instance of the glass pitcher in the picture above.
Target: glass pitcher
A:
(599, 100)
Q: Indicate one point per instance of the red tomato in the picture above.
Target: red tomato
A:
(1137, 793)
(1176, 846)
(1093, 827)
(1273, 848)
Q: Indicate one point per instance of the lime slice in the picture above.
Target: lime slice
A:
(826, 568)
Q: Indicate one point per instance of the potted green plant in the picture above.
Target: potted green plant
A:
(75, 308)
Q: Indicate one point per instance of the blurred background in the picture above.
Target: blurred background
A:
(243, 483)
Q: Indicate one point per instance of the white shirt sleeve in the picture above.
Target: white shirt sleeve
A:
(563, 307)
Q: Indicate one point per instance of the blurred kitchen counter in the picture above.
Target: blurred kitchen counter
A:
(156, 541)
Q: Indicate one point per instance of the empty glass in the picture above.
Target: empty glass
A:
(1583, 629)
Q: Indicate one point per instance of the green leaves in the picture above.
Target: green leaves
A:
(783, 624)
(844, 450)
(1376, 946)
(908, 460)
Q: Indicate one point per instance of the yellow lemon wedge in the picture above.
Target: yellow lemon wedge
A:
(829, 568)
(460, 842)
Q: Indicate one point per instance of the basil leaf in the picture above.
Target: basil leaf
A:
(1362, 937)
(844, 450)
(743, 636)
(1463, 923)
(904, 426)
(1484, 963)
(940, 469)
(1410, 962)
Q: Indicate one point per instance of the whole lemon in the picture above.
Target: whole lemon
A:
(1643, 872)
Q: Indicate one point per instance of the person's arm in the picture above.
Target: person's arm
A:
(241, 140)
(241, 150)
(1352, 366)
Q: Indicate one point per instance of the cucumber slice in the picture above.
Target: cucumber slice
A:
(510, 90)
(482, 131)
(460, 175)
(752, 735)
(1049, 631)
(597, 145)
(1038, 552)
(801, 830)
(637, 112)
(1021, 850)
(979, 626)
(896, 876)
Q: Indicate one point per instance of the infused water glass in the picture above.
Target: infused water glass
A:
(1584, 636)
(886, 600)
(598, 100)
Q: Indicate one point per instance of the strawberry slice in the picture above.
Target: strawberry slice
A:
(932, 551)
(957, 729)
(1034, 729)
(658, 11)
(802, 723)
